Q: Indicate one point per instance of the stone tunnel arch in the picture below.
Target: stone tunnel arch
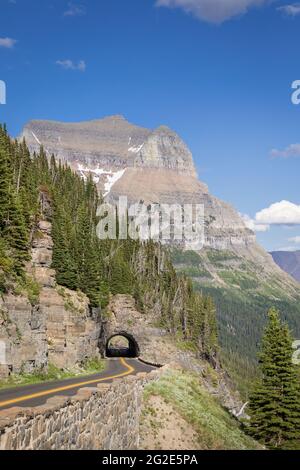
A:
(130, 350)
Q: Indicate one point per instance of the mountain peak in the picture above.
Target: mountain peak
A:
(165, 129)
(110, 143)
(142, 164)
(114, 117)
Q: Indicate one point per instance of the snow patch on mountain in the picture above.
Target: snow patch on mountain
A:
(35, 137)
(136, 149)
(110, 177)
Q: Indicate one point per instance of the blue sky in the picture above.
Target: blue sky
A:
(221, 77)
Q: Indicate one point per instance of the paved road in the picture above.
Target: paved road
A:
(37, 394)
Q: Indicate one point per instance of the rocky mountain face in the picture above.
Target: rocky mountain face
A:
(289, 262)
(56, 327)
(144, 165)
(110, 143)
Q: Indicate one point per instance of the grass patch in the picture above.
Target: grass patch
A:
(217, 256)
(216, 428)
(185, 257)
(30, 287)
(188, 346)
(238, 278)
(194, 272)
(94, 365)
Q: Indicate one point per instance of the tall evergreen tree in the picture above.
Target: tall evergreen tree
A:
(5, 177)
(15, 232)
(121, 277)
(86, 246)
(64, 260)
(275, 402)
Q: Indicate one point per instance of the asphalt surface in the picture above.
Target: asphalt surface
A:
(38, 394)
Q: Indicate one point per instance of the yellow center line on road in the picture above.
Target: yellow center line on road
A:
(129, 370)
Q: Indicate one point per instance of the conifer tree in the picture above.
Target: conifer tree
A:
(15, 232)
(275, 402)
(63, 260)
(5, 178)
(208, 332)
(121, 278)
(86, 246)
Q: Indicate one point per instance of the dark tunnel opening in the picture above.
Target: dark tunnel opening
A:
(122, 344)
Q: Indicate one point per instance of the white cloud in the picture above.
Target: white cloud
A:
(286, 248)
(279, 213)
(213, 11)
(294, 239)
(292, 150)
(7, 42)
(75, 10)
(254, 225)
(70, 65)
(283, 213)
(292, 10)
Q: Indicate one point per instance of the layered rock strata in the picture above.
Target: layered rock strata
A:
(56, 327)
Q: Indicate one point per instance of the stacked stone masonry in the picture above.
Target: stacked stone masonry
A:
(105, 417)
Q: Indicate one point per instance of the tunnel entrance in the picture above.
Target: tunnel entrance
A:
(122, 344)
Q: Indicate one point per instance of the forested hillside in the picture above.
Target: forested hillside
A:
(243, 293)
(36, 186)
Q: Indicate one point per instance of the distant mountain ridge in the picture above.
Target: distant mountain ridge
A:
(289, 261)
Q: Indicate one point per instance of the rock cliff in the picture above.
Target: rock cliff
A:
(56, 327)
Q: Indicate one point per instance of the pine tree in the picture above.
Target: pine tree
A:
(6, 265)
(15, 232)
(275, 402)
(86, 246)
(121, 278)
(64, 261)
(5, 178)
(208, 337)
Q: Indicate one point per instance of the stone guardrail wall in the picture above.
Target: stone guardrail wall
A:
(105, 417)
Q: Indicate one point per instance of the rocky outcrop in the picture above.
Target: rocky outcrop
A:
(123, 316)
(102, 418)
(156, 346)
(163, 149)
(56, 328)
(22, 336)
